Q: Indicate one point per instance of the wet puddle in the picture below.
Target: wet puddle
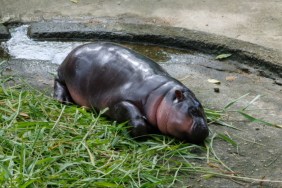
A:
(39, 58)
(20, 46)
(192, 68)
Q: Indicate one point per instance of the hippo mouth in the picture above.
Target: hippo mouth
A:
(199, 130)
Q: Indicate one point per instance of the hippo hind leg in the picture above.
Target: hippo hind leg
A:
(61, 92)
(126, 111)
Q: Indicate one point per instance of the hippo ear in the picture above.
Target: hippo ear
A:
(179, 95)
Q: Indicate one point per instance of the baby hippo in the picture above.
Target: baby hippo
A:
(134, 88)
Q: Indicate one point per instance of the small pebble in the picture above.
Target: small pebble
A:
(216, 90)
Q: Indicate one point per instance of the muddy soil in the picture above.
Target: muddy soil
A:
(258, 154)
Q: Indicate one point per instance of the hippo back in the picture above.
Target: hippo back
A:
(106, 73)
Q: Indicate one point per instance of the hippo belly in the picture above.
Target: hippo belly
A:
(134, 88)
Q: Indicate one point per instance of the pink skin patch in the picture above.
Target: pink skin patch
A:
(172, 121)
(77, 97)
(152, 104)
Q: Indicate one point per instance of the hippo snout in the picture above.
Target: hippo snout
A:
(199, 132)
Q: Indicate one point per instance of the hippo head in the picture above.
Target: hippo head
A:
(181, 115)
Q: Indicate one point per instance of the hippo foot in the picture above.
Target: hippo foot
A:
(61, 93)
(126, 111)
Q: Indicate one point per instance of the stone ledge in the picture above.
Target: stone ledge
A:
(4, 33)
(245, 52)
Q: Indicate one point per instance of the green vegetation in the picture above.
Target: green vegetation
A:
(44, 143)
(223, 56)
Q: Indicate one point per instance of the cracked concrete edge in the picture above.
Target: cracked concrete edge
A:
(265, 59)
(4, 33)
(37, 73)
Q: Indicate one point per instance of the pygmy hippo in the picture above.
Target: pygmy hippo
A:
(134, 88)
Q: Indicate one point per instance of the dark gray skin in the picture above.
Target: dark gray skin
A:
(134, 88)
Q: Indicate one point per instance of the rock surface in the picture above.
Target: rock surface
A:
(4, 33)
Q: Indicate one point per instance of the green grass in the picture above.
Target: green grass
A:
(47, 144)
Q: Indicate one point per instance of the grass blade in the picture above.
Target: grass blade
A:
(234, 101)
(253, 119)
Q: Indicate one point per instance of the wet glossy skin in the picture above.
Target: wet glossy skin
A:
(100, 75)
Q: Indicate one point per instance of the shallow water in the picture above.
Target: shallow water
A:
(20, 46)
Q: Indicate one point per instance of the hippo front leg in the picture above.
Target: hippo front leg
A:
(126, 111)
(61, 92)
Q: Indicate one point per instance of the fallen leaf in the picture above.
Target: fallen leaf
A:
(21, 113)
(74, 1)
(279, 126)
(213, 165)
(231, 78)
(222, 56)
(213, 81)
(24, 114)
